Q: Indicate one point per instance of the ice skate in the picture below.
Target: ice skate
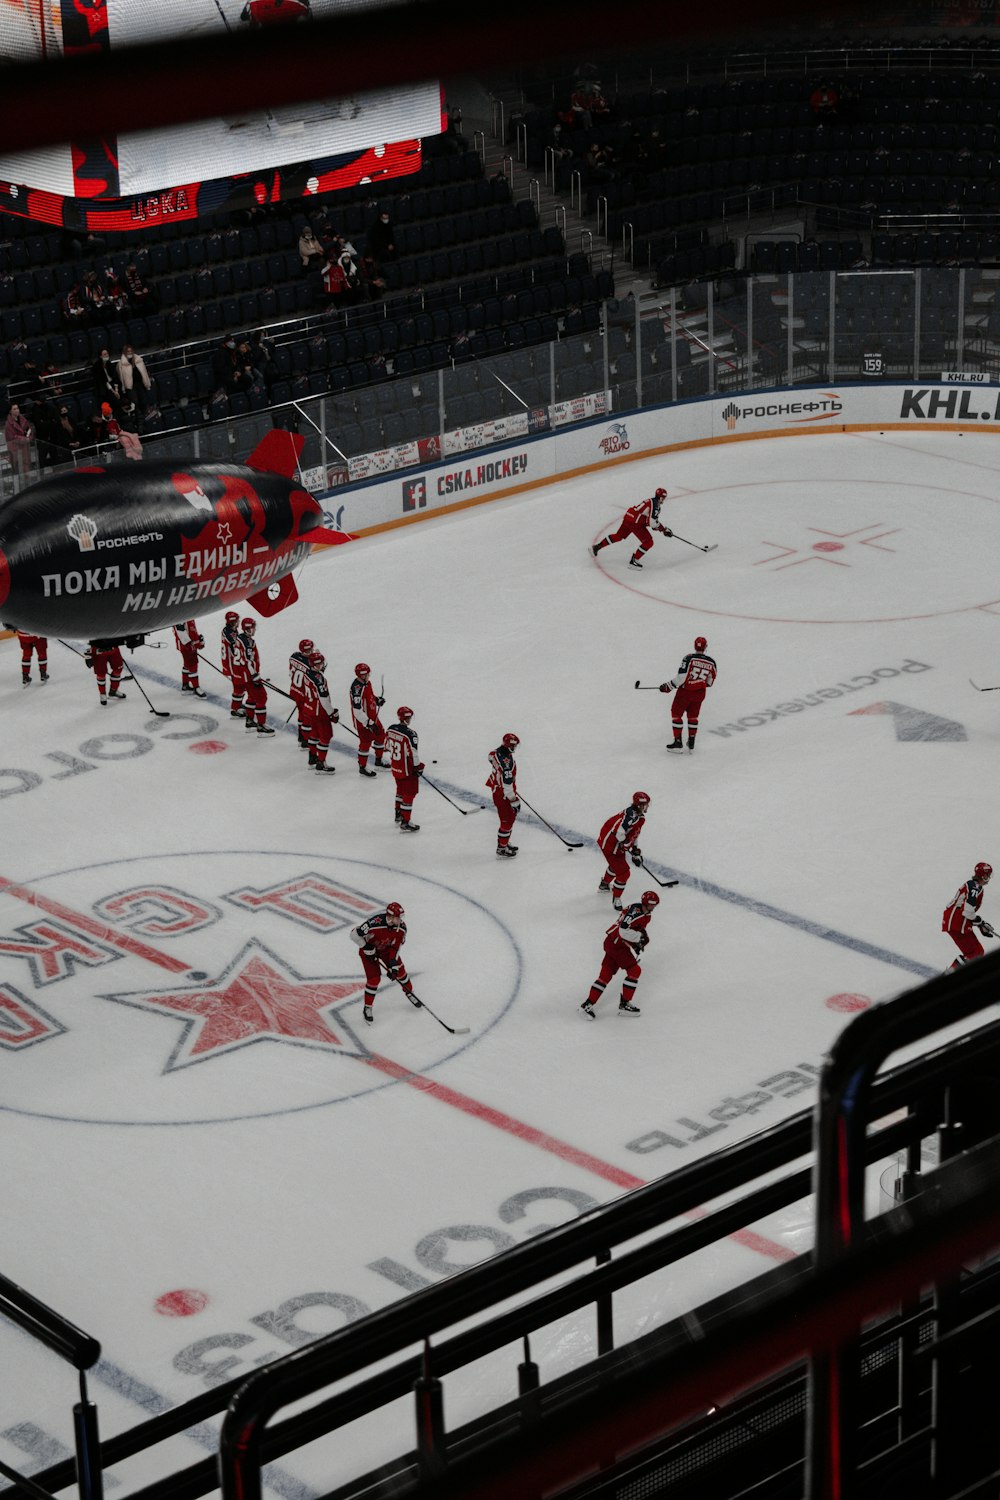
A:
(325, 770)
(625, 1008)
(408, 827)
(588, 1010)
(506, 851)
(369, 1014)
(264, 729)
(676, 745)
(364, 771)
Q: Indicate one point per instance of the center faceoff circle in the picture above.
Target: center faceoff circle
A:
(230, 981)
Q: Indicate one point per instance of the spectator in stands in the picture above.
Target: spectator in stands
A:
(262, 351)
(74, 307)
(823, 101)
(94, 296)
(311, 252)
(226, 369)
(589, 105)
(133, 377)
(373, 283)
(341, 281)
(25, 375)
(599, 164)
(140, 296)
(105, 379)
(43, 418)
(115, 292)
(114, 432)
(382, 238)
(19, 434)
(452, 137)
(250, 375)
(68, 435)
(558, 142)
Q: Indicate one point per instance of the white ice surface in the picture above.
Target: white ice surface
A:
(816, 850)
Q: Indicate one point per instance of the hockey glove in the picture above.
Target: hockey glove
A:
(369, 951)
(380, 701)
(419, 769)
(515, 805)
(665, 687)
(637, 859)
(392, 969)
(335, 716)
(986, 929)
(666, 531)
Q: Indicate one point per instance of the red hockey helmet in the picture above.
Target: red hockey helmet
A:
(231, 615)
(638, 797)
(511, 740)
(404, 712)
(306, 646)
(362, 669)
(393, 909)
(317, 660)
(649, 899)
(700, 643)
(661, 493)
(248, 625)
(983, 871)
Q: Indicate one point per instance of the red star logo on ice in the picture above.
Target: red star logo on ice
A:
(258, 998)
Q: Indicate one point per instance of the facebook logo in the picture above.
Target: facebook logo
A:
(414, 494)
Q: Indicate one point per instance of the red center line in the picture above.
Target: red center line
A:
(119, 940)
(490, 1116)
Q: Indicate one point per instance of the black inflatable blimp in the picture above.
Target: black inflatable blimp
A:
(114, 551)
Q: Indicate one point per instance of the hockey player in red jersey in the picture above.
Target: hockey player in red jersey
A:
(401, 742)
(961, 920)
(618, 841)
(639, 521)
(320, 713)
(695, 676)
(623, 946)
(502, 782)
(365, 704)
(105, 660)
(298, 666)
(38, 644)
(256, 692)
(234, 663)
(380, 938)
(189, 641)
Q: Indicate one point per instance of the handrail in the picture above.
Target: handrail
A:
(470, 1292)
(841, 1121)
(575, 190)
(50, 1328)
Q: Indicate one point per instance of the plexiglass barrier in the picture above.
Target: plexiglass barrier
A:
(733, 335)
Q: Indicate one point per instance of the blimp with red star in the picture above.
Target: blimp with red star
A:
(113, 552)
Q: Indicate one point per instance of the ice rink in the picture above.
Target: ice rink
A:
(209, 1159)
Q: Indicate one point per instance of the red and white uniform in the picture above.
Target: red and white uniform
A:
(38, 644)
(298, 666)
(401, 744)
(234, 666)
(369, 727)
(623, 944)
(380, 943)
(189, 641)
(502, 782)
(256, 692)
(638, 521)
(694, 677)
(618, 840)
(106, 661)
(961, 918)
(319, 715)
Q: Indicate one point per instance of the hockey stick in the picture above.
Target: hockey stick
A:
(665, 885)
(419, 1005)
(710, 548)
(210, 664)
(455, 1030)
(645, 688)
(161, 713)
(465, 811)
(548, 825)
(983, 690)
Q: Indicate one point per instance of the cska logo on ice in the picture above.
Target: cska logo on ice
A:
(231, 981)
(615, 440)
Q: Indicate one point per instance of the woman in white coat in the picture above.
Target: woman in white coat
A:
(133, 377)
